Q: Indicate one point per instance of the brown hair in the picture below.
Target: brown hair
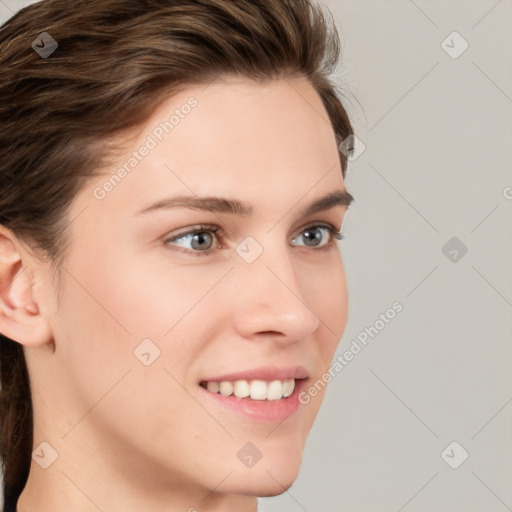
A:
(116, 61)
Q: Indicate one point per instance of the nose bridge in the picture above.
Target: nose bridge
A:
(271, 298)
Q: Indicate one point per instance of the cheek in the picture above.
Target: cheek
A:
(132, 298)
(328, 298)
(153, 300)
(121, 317)
(105, 377)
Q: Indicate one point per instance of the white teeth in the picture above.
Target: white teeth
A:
(213, 387)
(275, 390)
(241, 389)
(288, 387)
(226, 388)
(256, 389)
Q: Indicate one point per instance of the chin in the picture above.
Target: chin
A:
(263, 485)
(270, 477)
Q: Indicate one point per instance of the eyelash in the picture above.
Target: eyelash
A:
(209, 228)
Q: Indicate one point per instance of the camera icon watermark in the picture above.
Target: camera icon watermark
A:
(454, 455)
(44, 45)
(146, 352)
(45, 455)
(249, 455)
(352, 147)
(454, 45)
(454, 249)
(249, 249)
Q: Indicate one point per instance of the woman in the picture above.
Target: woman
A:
(136, 136)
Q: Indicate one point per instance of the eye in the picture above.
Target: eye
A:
(201, 238)
(313, 235)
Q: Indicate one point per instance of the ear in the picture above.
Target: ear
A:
(20, 316)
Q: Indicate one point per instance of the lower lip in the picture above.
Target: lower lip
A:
(264, 411)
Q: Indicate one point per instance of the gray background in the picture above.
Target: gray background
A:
(436, 165)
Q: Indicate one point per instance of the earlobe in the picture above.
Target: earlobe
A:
(20, 316)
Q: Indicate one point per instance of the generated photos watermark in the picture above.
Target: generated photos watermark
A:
(356, 346)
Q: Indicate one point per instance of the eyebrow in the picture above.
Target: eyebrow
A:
(243, 209)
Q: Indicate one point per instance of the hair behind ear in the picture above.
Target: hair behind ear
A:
(16, 426)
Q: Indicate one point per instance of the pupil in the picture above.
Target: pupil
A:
(316, 235)
(199, 237)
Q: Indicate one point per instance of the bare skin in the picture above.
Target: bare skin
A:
(132, 437)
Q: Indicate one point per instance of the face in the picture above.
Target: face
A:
(157, 299)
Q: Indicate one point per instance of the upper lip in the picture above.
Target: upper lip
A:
(267, 373)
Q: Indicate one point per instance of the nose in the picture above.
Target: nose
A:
(270, 301)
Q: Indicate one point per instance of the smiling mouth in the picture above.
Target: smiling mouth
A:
(253, 389)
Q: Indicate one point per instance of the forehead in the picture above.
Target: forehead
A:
(234, 137)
